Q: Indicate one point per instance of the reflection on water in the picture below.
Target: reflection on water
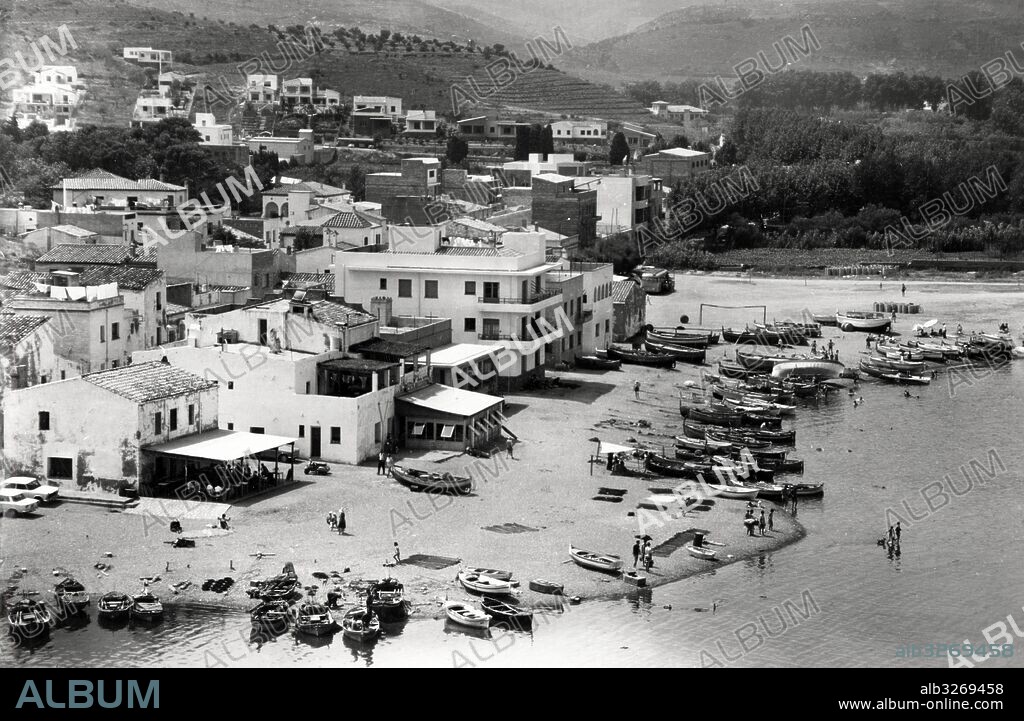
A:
(958, 571)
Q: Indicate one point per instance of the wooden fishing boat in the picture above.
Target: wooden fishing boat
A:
(869, 368)
(360, 625)
(863, 321)
(740, 440)
(770, 491)
(899, 353)
(713, 415)
(701, 552)
(768, 418)
(736, 492)
(782, 465)
(539, 585)
(703, 445)
(114, 606)
(732, 369)
(808, 368)
(387, 600)
(910, 379)
(751, 402)
(606, 562)
(508, 614)
(146, 607)
(426, 482)
(273, 614)
(673, 468)
(315, 619)
(902, 366)
(683, 355)
(29, 618)
(684, 339)
(71, 595)
(807, 330)
(807, 490)
(593, 362)
(484, 584)
(465, 615)
(633, 578)
(275, 588)
(638, 357)
(492, 572)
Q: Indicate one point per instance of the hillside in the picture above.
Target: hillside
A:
(937, 37)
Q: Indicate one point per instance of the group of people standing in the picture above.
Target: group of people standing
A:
(386, 456)
(337, 521)
(642, 554)
(765, 524)
(829, 353)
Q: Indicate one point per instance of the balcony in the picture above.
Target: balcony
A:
(488, 335)
(529, 299)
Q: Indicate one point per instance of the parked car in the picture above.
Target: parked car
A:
(317, 468)
(14, 503)
(31, 487)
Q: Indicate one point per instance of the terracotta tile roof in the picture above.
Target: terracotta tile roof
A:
(145, 382)
(621, 290)
(14, 327)
(102, 180)
(127, 277)
(308, 280)
(327, 311)
(346, 219)
(23, 279)
(488, 252)
(95, 254)
(175, 309)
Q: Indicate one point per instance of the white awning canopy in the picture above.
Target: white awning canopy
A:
(221, 445)
(604, 448)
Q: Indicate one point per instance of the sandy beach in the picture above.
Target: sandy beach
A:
(545, 494)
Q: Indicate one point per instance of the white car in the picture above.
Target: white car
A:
(13, 503)
(31, 488)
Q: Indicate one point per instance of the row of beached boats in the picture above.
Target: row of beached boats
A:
(30, 617)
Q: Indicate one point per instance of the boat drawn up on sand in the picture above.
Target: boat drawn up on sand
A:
(734, 491)
(695, 338)
(900, 366)
(387, 600)
(277, 587)
(807, 490)
(508, 614)
(147, 607)
(607, 562)
(484, 584)
(714, 415)
(29, 618)
(426, 482)
(71, 595)
(829, 319)
(808, 368)
(593, 362)
(114, 606)
(274, 614)
(759, 360)
(697, 549)
(633, 578)
(863, 321)
(492, 572)
(315, 619)
(683, 355)
(643, 358)
(703, 445)
(359, 624)
(675, 468)
(540, 585)
(892, 376)
(466, 615)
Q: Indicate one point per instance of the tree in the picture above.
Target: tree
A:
(34, 130)
(547, 140)
(306, 238)
(11, 129)
(620, 149)
(522, 151)
(356, 183)
(457, 149)
(679, 141)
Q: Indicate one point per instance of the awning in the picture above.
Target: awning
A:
(453, 401)
(221, 445)
(603, 448)
(447, 431)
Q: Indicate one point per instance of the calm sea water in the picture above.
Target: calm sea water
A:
(833, 599)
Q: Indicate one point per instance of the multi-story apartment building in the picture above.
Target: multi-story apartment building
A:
(580, 131)
(626, 202)
(675, 164)
(262, 88)
(300, 92)
(418, 178)
(148, 56)
(566, 206)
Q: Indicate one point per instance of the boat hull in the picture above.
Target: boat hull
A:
(863, 322)
(607, 563)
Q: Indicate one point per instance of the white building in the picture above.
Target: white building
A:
(625, 202)
(148, 56)
(213, 132)
(377, 105)
(421, 122)
(262, 88)
(580, 131)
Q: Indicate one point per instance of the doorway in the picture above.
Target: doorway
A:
(314, 442)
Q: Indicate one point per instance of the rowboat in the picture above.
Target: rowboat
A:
(539, 585)
(907, 379)
(387, 600)
(484, 584)
(686, 339)
(426, 482)
(736, 492)
(633, 578)
(29, 618)
(750, 402)
(465, 615)
(731, 369)
(863, 321)
(809, 490)
(683, 355)
(700, 552)
(715, 415)
(508, 614)
(704, 445)
(902, 366)
(146, 607)
(275, 588)
(673, 468)
(783, 465)
(638, 357)
(71, 595)
(824, 319)
(593, 362)
(811, 367)
(315, 619)
(274, 614)
(808, 330)
(492, 572)
(359, 624)
(114, 606)
(597, 561)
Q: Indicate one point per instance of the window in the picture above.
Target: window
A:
(302, 431)
(44, 379)
(191, 414)
(231, 426)
(469, 325)
(60, 468)
(173, 420)
(376, 432)
(63, 375)
(470, 287)
(491, 291)
(44, 420)
(430, 289)
(335, 435)
(405, 288)
(257, 429)
(115, 331)
(607, 326)
(158, 423)
(597, 330)
(159, 305)
(231, 385)
(103, 334)
(447, 432)
(307, 388)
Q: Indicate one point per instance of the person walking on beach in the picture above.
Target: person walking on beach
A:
(892, 535)
(341, 522)
(771, 520)
(508, 447)
(898, 532)
(636, 390)
(904, 289)
(398, 554)
(636, 552)
(761, 523)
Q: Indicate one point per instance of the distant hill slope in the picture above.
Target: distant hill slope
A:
(938, 37)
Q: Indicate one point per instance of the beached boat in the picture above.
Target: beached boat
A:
(274, 614)
(714, 415)
(639, 357)
(733, 491)
(683, 355)
(703, 445)
(315, 619)
(359, 624)
(673, 468)
(71, 595)
(29, 618)
(606, 562)
(540, 585)
(732, 369)
(276, 588)
(508, 614)
(901, 366)
(807, 490)
(633, 578)
(593, 362)
(758, 360)
(807, 330)
(492, 572)
(686, 339)
(863, 321)
(484, 584)
(387, 600)
(782, 465)
(114, 606)
(146, 607)
(465, 615)
(426, 482)
(808, 368)
(700, 552)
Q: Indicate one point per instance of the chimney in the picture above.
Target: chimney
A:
(381, 307)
